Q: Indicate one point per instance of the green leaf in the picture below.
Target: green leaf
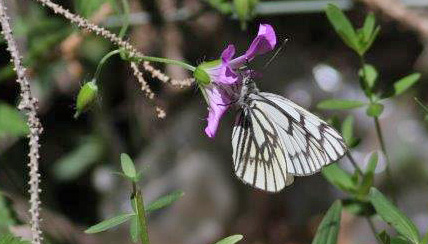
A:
(164, 201)
(369, 75)
(343, 27)
(338, 177)
(110, 223)
(6, 214)
(128, 167)
(393, 216)
(347, 130)
(329, 227)
(374, 110)
(230, 240)
(12, 122)
(425, 238)
(134, 229)
(368, 27)
(399, 240)
(384, 237)
(10, 239)
(368, 177)
(73, 164)
(339, 104)
(405, 83)
(425, 108)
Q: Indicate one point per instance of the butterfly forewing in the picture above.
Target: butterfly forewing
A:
(274, 139)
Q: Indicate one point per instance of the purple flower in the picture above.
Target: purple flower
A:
(220, 80)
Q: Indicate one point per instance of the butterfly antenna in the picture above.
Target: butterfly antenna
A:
(275, 54)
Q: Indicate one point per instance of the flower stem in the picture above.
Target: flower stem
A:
(103, 60)
(166, 61)
(125, 18)
(137, 198)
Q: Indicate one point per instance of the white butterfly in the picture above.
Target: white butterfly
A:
(274, 140)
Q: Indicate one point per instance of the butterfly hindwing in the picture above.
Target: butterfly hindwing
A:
(274, 139)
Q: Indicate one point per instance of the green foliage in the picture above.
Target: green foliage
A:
(88, 8)
(110, 223)
(405, 83)
(134, 229)
(393, 216)
(339, 104)
(244, 9)
(328, 229)
(374, 109)
(12, 122)
(10, 239)
(73, 164)
(164, 201)
(383, 237)
(348, 132)
(362, 39)
(223, 6)
(128, 167)
(230, 239)
(368, 176)
(339, 178)
(424, 108)
(368, 76)
(6, 215)
(358, 207)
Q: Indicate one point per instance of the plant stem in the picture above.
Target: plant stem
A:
(388, 162)
(103, 60)
(125, 19)
(137, 198)
(380, 138)
(166, 61)
(354, 164)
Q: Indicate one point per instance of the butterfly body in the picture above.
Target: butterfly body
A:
(274, 140)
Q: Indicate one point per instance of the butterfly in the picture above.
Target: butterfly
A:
(274, 140)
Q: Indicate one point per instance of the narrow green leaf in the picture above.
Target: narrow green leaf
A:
(372, 39)
(374, 110)
(339, 104)
(128, 167)
(6, 214)
(369, 74)
(338, 177)
(342, 26)
(230, 239)
(329, 227)
(424, 107)
(164, 201)
(110, 223)
(399, 240)
(347, 129)
(393, 216)
(12, 122)
(405, 83)
(368, 177)
(384, 237)
(10, 239)
(368, 27)
(134, 229)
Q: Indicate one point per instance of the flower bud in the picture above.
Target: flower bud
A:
(86, 97)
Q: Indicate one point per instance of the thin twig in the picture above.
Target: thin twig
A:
(28, 104)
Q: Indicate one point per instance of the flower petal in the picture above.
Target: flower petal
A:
(265, 41)
(219, 103)
(228, 54)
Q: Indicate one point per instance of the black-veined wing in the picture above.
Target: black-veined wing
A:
(274, 139)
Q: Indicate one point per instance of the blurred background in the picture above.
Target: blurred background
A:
(79, 156)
